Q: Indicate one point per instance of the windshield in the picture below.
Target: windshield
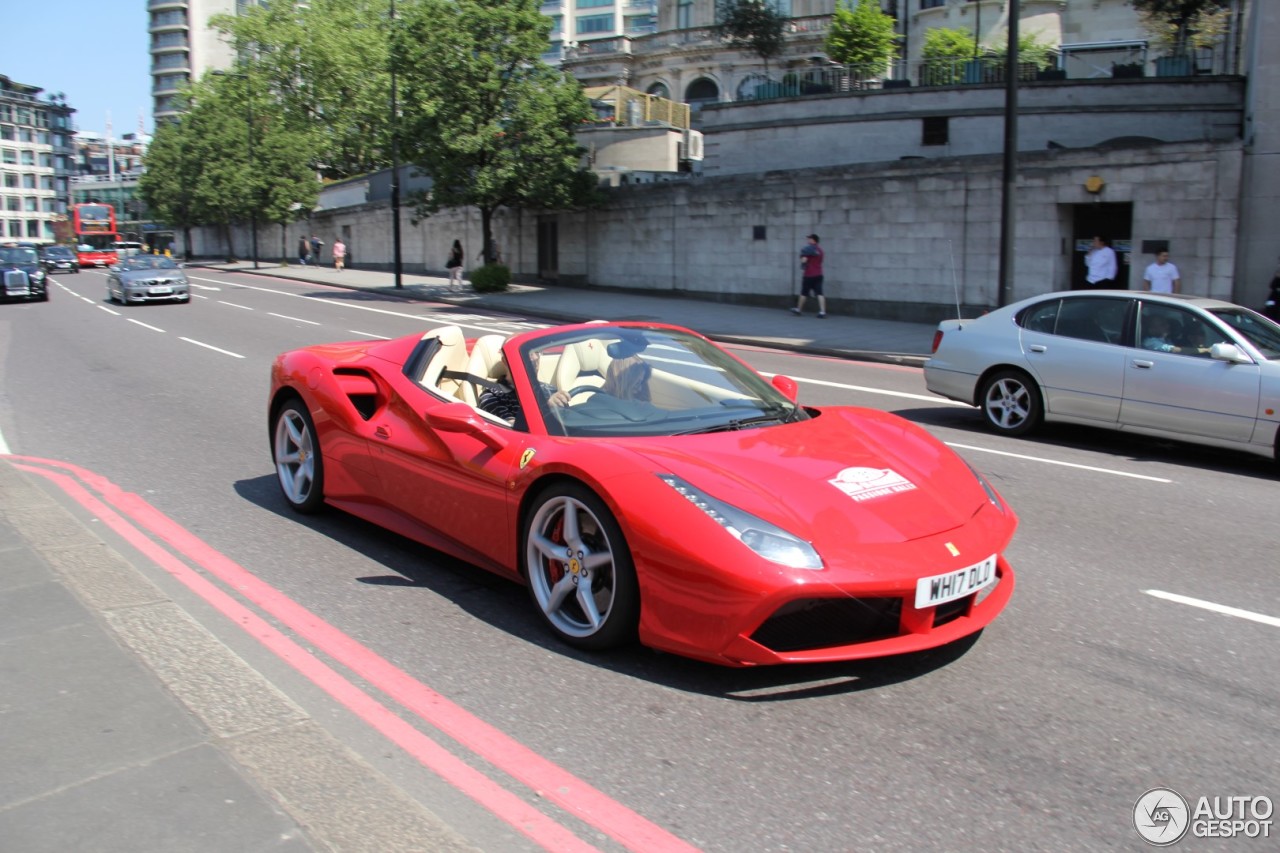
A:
(18, 255)
(1256, 329)
(58, 252)
(621, 381)
(96, 242)
(148, 262)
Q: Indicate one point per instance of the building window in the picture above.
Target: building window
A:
(29, 182)
(684, 14)
(782, 7)
(595, 24)
(932, 4)
(33, 228)
(15, 227)
(934, 130)
(12, 202)
(590, 4)
(10, 180)
(10, 156)
(28, 158)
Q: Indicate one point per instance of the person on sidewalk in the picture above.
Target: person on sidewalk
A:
(454, 265)
(811, 281)
(1162, 276)
(1101, 263)
(339, 254)
(316, 245)
(304, 250)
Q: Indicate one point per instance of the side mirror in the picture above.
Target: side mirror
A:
(788, 386)
(1229, 352)
(461, 418)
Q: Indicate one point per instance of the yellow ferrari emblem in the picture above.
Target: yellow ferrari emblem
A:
(526, 456)
(955, 552)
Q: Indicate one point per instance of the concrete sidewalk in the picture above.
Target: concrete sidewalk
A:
(126, 727)
(836, 335)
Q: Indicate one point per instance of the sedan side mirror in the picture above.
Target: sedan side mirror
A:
(788, 386)
(1229, 352)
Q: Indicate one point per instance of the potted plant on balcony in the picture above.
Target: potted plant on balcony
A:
(862, 38)
(1179, 27)
(944, 52)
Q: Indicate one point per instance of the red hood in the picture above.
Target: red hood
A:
(864, 476)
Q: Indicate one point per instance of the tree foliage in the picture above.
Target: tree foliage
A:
(1181, 24)
(753, 25)
(326, 65)
(948, 43)
(861, 34)
(489, 122)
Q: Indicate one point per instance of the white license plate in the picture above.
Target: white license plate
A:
(940, 589)
(160, 291)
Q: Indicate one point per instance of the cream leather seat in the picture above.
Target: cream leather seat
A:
(583, 363)
(451, 355)
(487, 363)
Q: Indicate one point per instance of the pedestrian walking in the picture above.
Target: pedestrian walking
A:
(316, 245)
(1162, 276)
(339, 254)
(1101, 263)
(304, 250)
(811, 280)
(454, 265)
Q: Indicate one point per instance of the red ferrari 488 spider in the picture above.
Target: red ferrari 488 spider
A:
(644, 483)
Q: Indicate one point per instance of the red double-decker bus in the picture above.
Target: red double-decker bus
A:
(94, 227)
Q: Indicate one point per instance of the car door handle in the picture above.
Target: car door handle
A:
(1037, 348)
(382, 431)
(1143, 363)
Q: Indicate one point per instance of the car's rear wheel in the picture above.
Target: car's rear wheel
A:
(579, 568)
(296, 453)
(1012, 403)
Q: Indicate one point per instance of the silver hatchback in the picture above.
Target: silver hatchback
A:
(1175, 366)
(147, 278)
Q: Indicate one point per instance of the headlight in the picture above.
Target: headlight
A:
(988, 488)
(768, 540)
(37, 275)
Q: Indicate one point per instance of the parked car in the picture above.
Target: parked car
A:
(644, 483)
(1169, 365)
(147, 278)
(59, 258)
(23, 277)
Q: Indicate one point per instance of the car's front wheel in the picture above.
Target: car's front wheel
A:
(1011, 403)
(579, 568)
(296, 452)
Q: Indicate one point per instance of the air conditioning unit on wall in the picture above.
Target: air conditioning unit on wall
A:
(691, 145)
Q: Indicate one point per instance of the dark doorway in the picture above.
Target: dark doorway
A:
(1113, 221)
(548, 248)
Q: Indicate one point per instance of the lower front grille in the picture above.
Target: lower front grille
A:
(819, 623)
(16, 280)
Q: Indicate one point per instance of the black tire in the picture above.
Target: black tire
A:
(610, 614)
(295, 451)
(1011, 403)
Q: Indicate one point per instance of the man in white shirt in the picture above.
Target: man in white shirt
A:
(1101, 263)
(1162, 276)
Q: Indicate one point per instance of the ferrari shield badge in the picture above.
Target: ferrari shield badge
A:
(863, 484)
(526, 457)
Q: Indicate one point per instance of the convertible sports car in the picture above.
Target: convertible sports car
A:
(147, 278)
(644, 483)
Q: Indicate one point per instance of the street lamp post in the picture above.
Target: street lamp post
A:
(395, 156)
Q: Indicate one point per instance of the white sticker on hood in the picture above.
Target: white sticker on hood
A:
(863, 484)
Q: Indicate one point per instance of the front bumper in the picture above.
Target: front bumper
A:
(156, 293)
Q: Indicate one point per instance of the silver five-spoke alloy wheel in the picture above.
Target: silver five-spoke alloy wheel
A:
(297, 457)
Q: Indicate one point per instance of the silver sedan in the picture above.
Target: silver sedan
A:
(1174, 366)
(147, 278)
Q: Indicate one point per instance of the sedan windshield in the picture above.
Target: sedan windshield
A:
(622, 380)
(1256, 329)
(58, 252)
(18, 255)
(148, 262)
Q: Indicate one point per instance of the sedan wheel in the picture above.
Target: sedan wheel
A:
(1011, 403)
(297, 456)
(579, 569)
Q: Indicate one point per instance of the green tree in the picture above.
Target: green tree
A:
(483, 116)
(325, 64)
(1181, 24)
(166, 186)
(754, 25)
(944, 48)
(861, 34)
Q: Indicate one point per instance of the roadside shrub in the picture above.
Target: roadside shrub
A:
(491, 278)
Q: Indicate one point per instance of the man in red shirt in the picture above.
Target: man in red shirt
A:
(811, 282)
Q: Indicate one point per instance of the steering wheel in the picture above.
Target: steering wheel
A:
(583, 389)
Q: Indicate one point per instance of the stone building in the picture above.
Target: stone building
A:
(36, 161)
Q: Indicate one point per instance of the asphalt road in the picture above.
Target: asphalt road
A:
(1103, 679)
